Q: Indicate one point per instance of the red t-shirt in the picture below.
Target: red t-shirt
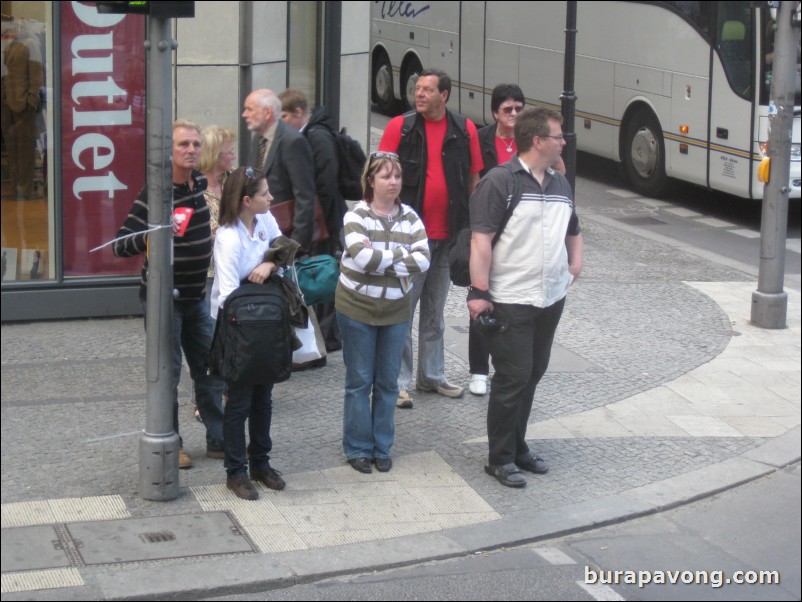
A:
(502, 153)
(435, 196)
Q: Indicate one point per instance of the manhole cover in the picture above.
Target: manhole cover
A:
(132, 540)
(29, 548)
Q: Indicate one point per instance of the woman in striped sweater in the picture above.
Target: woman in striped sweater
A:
(385, 245)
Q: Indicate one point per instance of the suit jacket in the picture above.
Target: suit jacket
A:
(24, 78)
(290, 175)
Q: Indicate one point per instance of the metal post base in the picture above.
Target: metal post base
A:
(769, 310)
(158, 467)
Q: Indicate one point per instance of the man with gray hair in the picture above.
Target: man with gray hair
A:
(193, 327)
(285, 156)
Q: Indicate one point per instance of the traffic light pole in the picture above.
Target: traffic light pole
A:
(159, 444)
(770, 301)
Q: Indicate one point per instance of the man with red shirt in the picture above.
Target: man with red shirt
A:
(441, 157)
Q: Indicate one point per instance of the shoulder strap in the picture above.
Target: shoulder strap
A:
(512, 200)
(409, 122)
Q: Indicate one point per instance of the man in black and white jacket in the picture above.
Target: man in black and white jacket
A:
(522, 282)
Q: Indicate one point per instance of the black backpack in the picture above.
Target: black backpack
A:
(459, 251)
(253, 338)
(350, 161)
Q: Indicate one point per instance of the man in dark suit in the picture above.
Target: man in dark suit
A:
(285, 156)
(318, 129)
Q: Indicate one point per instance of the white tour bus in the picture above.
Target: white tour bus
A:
(670, 89)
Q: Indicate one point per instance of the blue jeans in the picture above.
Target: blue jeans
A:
(372, 356)
(253, 403)
(431, 288)
(193, 329)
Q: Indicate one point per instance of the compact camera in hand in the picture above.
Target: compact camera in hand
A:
(486, 324)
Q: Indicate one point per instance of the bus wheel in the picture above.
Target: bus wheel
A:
(383, 84)
(408, 81)
(644, 154)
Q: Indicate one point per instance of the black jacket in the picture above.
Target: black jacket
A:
(487, 142)
(325, 158)
(456, 156)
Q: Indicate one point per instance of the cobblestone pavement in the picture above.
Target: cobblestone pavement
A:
(73, 398)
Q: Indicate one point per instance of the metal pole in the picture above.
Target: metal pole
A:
(159, 444)
(568, 98)
(770, 301)
(333, 17)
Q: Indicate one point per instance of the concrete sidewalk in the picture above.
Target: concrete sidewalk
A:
(660, 392)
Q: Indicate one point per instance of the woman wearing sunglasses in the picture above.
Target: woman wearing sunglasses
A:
(245, 233)
(385, 245)
(497, 142)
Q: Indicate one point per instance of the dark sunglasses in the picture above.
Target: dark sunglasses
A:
(509, 109)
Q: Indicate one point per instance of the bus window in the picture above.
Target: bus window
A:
(698, 13)
(734, 36)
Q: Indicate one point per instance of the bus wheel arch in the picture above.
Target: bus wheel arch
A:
(643, 150)
(410, 71)
(382, 81)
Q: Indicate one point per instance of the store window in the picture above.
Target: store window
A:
(26, 162)
(66, 191)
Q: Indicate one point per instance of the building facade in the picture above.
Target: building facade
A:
(74, 121)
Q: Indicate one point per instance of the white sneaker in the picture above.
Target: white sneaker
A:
(478, 384)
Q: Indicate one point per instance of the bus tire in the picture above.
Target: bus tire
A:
(383, 84)
(645, 154)
(409, 78)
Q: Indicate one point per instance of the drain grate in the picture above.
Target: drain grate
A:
(158, 537)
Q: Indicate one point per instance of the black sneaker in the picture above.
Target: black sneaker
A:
(361, 465)
(383, 464)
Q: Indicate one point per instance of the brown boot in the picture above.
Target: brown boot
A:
(269, 477)
(242, 487)
(184, 459)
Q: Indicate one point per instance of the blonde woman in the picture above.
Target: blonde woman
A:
(217, 158)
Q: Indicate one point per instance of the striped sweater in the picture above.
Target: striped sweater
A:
(375, 280)
(191, 252)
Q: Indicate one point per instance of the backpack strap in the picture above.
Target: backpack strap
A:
(512, 201)
(409, 122)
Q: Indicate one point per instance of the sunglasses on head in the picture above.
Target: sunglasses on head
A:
(382, 155)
